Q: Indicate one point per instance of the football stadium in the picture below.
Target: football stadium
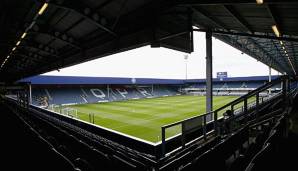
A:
(134, 106)
(91, 123)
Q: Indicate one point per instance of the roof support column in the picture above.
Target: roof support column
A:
(152, 89)
(108, 91)
(269, 79)
(30, 94)
(209, 95)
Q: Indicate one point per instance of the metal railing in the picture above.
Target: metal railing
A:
(187, 126)
(201, 122)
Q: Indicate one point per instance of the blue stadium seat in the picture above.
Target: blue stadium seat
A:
(79, 95)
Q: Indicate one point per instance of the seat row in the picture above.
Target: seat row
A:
(25, 149)
(93, 156)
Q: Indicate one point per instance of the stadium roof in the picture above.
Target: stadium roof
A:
(43, 35)
(230, 79)
(62, 80)
(74, 80)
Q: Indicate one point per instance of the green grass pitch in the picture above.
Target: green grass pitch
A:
(143, 118)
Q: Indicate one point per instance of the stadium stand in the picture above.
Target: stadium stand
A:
(246, 146)
(234, 86)
(33, 144)
(72, 152)
(80, 95)
(248, 143)
(57, 90)
(78, 90)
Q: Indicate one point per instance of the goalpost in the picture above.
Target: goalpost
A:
(55, 108)
(51, 107)
(64, 110)
(70, 112)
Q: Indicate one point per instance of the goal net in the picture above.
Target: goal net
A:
(70, 112)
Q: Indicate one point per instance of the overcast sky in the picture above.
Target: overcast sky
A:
(149, 62)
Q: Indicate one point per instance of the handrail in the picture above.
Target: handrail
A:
(252, 93)
(184, 120)
(236, 101)
(213, 115)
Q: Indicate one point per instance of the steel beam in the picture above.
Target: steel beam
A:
(245, 49)
(26, 47)
(232, 11)
(230, 2)
(30, 94)
(209, 87)
(281, 54)
(40, 47)
(105, 3)
(208, 16)
(267, 53)
(52, 35)
(60, 35)
(274, 16)
(78, 8)
(293, 54)
(265, 36)
(253, 48)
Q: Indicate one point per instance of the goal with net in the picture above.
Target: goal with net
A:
(70, 112)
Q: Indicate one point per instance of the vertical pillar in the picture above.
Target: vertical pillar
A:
(30, 94)
(18, 97)
(269, 79)
(209, 95)
(163, 141)
(183, 134)
(285, 92)
(28, 99)
(257, 104)
(245, 109)
(108, 90)
(152, 90)
(185, 58)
